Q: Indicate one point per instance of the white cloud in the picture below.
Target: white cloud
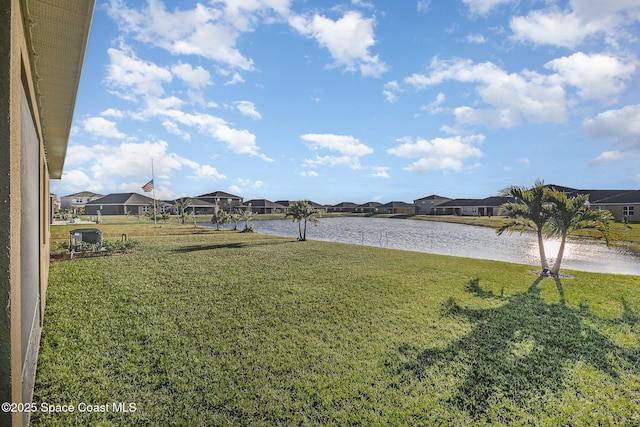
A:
(248, 109)
(435, 106)
(475, 39)
(439, 153)
(100, 126)
(622, 125)
(349, 148)
(174, 129)
(509, 96)
(76, 179)
(483, 7)
(423, 5)
(344, 144)
(609, 156)
(584, 19)
(207, 172)
(597, 76)
(309, 173)
(347, 39)
(390, 91)
(80, 155)
(130, 75)
(380, 172)
(112, 112)
(195, 78)
(186, 32)
(110, 164)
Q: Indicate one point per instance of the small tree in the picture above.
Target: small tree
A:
(531, 209)
(219, 218)
(246, 215)
(571, 214)
(235, 217)
(302, 212)
(182, 204)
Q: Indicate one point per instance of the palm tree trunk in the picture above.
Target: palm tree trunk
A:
(543, 256)
(304, 237)
(555, 270)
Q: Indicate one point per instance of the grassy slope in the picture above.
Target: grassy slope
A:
(224, 328)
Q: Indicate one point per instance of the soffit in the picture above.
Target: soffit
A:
(57, 33)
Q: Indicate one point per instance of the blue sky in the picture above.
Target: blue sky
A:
(357, 100)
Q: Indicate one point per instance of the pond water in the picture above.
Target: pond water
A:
(458, 240)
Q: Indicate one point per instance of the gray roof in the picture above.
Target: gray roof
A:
(122, 199)
(263, 203)
(397, 205)
(630, 197)
(433, 197)
(84, 194)
(487, 201)
(220, 194)
(369, 205)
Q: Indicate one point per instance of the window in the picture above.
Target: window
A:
(627, 211)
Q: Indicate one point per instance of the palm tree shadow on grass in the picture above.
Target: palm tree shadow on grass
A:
(520, 351)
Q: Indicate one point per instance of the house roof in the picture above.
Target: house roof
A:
(487, 201)
(344, 205)
(263, 203)
(122, 199)
(433, 197)
(194, 202)
(57, 34)
(84, 194)
(397, 205)
(286, 203)
(630, 197)
(369, 205)
(220, 194)
(596, 195)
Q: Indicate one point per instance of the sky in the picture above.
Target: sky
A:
(356, 100)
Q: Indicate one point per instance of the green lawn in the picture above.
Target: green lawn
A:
(202, 328)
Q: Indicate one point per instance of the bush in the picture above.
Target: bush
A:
(121, 246)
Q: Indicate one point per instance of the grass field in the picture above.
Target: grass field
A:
(203, 328)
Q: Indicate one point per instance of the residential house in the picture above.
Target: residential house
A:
(224, 201)
(41, 58)
(264, 206)
(397, 208)
(347, 207)
(624, 206)
(77, 201)
(621, 203)
(123, 204)
(427, 205)
(197, 205)
(488, 206)
(368, 208)
(318, 206)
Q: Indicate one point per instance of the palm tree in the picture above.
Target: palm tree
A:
(246, 215)
(219, 218)
(531, 209)
(571, 214)
(235, 217)
(302, 212)
(182, 204)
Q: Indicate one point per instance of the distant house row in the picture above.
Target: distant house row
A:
(623, 204)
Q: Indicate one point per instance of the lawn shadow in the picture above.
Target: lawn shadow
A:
(520, 350)
(234, 245)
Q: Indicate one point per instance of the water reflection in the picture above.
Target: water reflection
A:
(460, 240)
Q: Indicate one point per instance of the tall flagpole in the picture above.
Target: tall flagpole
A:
(153, 188)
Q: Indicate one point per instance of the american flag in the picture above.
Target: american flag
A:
(148, 186)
